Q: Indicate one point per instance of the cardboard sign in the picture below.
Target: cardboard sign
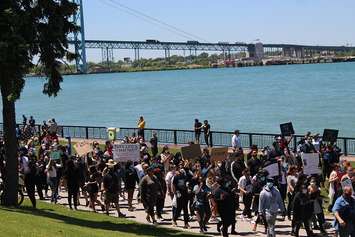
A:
(273, 169)
(287, 129)
(83, 147)
(310, 163)
(219, 153)
(330, 135)
(55, 155)
(126, 152)
(191, 152)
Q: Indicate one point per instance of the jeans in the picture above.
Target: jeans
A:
(270, 220)
(52, 182)
(182, 203)
(247, 200)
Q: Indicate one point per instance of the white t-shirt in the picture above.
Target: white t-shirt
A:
(245, 184)
(236, 143)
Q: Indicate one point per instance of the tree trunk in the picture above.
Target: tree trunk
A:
(11, 165)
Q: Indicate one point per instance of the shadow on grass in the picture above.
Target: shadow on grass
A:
(122, 225)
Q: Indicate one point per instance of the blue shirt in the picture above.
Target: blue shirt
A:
(346, 210)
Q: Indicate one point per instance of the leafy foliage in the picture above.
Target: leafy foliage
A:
(32, 28)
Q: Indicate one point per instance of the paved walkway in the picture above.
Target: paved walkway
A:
(244, 228)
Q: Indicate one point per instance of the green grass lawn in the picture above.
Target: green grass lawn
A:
(55, 220)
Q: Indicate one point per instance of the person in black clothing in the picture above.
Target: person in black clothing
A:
(110, 185)
(30, 181)
(41, 178)
(254, 164)
(225, 200)
(130, 180)
(72, 175)
(181, 193)
(24, 120)
(154, 144)
(201, 203)
(32, 121)
(302, 211)
(206, 131)
(197, 129)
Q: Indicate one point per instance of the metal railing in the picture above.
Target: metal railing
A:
(178, 136)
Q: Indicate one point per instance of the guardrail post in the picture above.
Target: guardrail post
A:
(345, 142)
(211, 140)
(175, 137)
(294, 143)
(250, 139)
(86, 132)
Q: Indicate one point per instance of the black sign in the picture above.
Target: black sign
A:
(287, 129)
(330, 135)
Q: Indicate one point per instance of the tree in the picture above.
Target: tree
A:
(29, 28)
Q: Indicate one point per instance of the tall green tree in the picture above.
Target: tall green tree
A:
(28, 29)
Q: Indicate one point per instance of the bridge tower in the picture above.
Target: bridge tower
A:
(79, 38)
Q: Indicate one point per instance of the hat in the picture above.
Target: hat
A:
(110, 163)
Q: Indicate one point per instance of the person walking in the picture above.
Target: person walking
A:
(149, 191)
(270, 202)
(179, 186)
(111, 188)
(201, 204)
(246, 187)
(130, 180)
(51, 173)
(72, 176)
(344, 212)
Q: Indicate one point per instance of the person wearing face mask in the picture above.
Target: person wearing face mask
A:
(344, 212)
(302, 211)
(245, 187)
(270, 202)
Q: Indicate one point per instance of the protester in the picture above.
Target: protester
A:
(154, 144)
(206, 127)
(270, 203)
(236, 142)
(197, 129)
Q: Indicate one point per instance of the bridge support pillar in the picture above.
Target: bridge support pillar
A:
(300, 53)
(107, 56)
(136, 54)
(167, 54)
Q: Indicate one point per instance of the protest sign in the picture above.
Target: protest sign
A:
(191, 152)
(287, 129)
(310, 163)
(55, 155)
(219, 153)
(83, 147)
(330, 135)
(273, 169)
(126, 152)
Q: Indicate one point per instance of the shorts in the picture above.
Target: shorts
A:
(110, 197)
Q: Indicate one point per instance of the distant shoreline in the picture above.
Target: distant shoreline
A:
(194, 68)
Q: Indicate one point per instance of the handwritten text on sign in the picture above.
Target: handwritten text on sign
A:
(126, 152)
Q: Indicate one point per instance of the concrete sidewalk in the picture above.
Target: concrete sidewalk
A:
(243, 227)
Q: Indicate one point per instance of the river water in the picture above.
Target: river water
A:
(253, 99)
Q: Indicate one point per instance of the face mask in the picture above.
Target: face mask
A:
(269, 185)
(262, 178)
(304, 191)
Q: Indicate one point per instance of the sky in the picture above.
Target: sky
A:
(314, 22)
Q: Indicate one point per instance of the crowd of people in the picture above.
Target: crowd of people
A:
(206, 191)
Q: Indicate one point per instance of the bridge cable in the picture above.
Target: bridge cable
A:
(152, 20)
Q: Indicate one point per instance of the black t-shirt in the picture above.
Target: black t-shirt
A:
(110, 182)
(180, 183)
(198, 127)
(254, 164)
(206, 128)
(154, 142)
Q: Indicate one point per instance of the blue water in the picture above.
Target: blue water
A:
(254, 99)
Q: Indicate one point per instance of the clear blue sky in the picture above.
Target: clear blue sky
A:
(316, 22)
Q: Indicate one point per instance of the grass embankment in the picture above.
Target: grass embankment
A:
(56, 220)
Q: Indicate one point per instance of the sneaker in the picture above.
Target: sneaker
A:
(187, 226)
(174, 224)
(121, 215)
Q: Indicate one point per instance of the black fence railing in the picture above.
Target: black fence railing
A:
(177, 136)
